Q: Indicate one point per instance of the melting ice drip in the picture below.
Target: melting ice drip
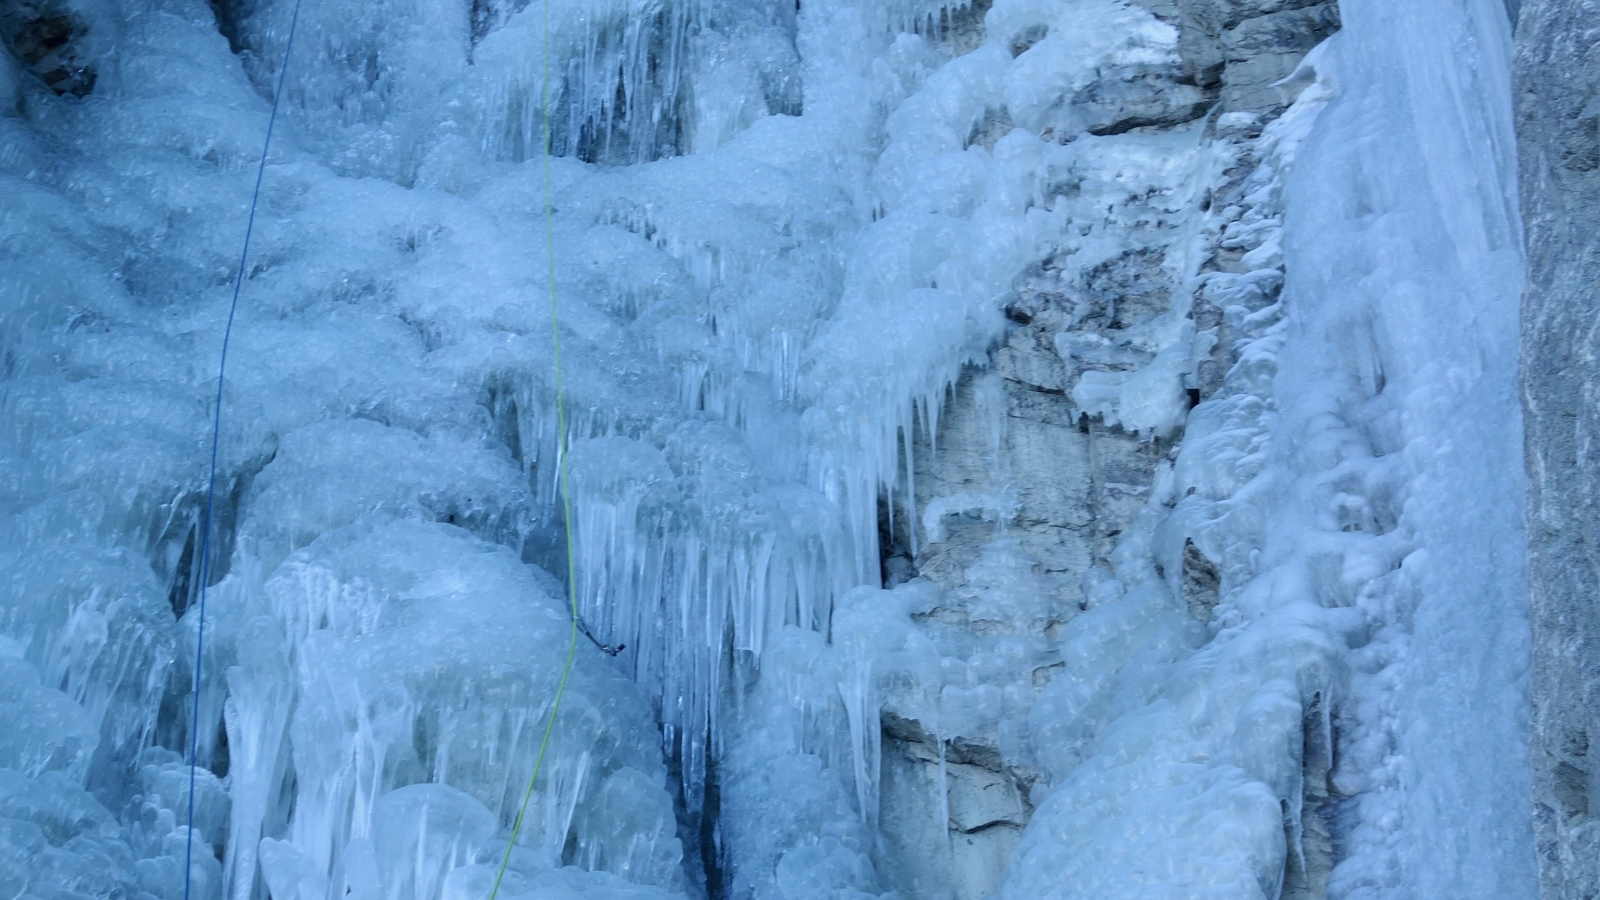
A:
(781, 237)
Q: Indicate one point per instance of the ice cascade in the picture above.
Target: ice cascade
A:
(791, 243)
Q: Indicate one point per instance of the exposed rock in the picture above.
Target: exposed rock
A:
(1558, 124)
(980, 798)
(1062, 489)
(1242, 47)
(1161, 100)
(1201, 582)
(1311, 834)
(1022, 488)
(1260, 51)
(47, 40)
(983, 803)
(1130, 288)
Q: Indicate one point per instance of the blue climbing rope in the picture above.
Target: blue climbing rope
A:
(211, 478)
(216, 433)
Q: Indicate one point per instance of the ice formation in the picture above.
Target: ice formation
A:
(784, 236)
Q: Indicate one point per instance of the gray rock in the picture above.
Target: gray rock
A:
(1200, 582)
(1263, 50)
(1165, 10)
(980, 798)
(949, 830)
(1076, 485)
(1558, 122)
(1033, 493)
(1240, 47)
(49, 44)
(1121, 102)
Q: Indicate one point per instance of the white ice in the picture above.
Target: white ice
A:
(780, 237)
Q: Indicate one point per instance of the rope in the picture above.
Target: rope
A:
(561, 463)
(211, 477)
(561, 431)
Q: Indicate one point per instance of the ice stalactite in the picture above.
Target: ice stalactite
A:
(787, 238)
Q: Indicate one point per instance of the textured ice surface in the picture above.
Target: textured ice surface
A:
(1327, 481)
(779, 238)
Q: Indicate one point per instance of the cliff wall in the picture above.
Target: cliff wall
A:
(1558, 126)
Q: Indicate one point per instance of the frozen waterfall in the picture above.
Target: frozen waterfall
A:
(1028, 449)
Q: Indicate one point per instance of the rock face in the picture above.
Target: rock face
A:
(1015, 452)
(1025, 482)
(1241, 47)
(1558, 125)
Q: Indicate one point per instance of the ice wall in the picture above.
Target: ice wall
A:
(382, 640)
(1442, 326)
(781, 236)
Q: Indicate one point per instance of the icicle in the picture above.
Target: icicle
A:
(911, 482)
(944, 780)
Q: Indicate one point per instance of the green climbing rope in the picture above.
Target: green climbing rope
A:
(561, 458)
